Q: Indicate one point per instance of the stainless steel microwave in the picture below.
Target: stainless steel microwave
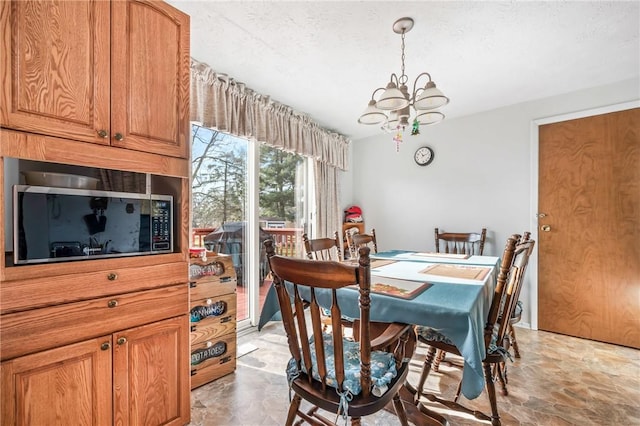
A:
(64, 224)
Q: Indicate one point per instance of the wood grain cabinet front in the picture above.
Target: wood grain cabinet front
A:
(89, 86)
(69, 385)
(212, 317)
(28, 293)
(110, 60)
(34, 330)
(132, 377)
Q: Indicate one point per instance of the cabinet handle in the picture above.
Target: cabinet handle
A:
(121, 340)
(112, 303)
(103, 133)
(105, 346)
(112, 276)
(118, 136)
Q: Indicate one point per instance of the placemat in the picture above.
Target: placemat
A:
(457, 271)
(396, 288)
(444, 255)
(374, 263)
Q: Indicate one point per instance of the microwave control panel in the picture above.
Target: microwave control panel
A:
(161, 226)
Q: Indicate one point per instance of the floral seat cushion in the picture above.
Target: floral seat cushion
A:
(383, 367)
(327, 313)
(431, 335)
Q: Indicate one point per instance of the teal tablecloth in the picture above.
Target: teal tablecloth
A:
(456, 309)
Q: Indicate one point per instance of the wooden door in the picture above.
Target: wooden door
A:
(70, 385)
(151, 374)
(589, 259)
(54, 59)
(150, 77)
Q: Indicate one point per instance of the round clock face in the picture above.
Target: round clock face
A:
(423, 156)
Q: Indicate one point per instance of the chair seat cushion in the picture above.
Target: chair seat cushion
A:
(383, 366)
(518, 310)
(431, 335)
(327, 313)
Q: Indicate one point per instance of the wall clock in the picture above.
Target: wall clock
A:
(423, 156)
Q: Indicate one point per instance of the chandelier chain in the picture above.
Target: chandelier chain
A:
(403, 77)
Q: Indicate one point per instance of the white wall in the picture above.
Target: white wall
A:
(480, 177)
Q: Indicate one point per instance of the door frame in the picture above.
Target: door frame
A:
(533, 225)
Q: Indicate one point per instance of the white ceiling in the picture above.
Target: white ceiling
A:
(325, 58)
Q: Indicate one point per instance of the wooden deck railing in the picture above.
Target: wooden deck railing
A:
(198, 234)
(288, 241)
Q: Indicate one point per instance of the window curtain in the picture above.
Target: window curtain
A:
(329, 219)
(220, 102)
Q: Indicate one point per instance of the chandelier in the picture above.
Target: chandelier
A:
(392, 110)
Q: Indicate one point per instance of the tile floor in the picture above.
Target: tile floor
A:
(559, 380)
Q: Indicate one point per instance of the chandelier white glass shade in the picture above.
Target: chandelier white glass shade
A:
(392, 109)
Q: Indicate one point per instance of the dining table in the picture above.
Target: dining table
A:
(453, 297)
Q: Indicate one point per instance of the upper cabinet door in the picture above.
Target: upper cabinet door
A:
(150, 77)
(55, 67)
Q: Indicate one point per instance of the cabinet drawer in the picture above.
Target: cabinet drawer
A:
(38, 329)
(210, 361)
(216, 310)
(19, 295)
(211, 288)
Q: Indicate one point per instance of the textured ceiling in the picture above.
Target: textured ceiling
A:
(326, 58)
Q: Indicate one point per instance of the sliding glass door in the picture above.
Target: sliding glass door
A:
(243, 194)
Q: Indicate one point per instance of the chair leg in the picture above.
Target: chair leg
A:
(514, 341)
(293, 409)
(439, 358)
(458, 391)
(491, 392)
(355, 421)
(500, 369)
(400, 412)
(425, 372)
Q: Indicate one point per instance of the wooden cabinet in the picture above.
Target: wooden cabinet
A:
(150, 374)
(79, 376)
(77, 380)
(213, 318)
(112, 73)
(102, 341)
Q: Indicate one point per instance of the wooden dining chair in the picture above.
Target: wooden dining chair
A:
(516, 316)
(364, 240)
(510, 277)
(345, 377)
(323, 248)
(350, 252)
(471, 243)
